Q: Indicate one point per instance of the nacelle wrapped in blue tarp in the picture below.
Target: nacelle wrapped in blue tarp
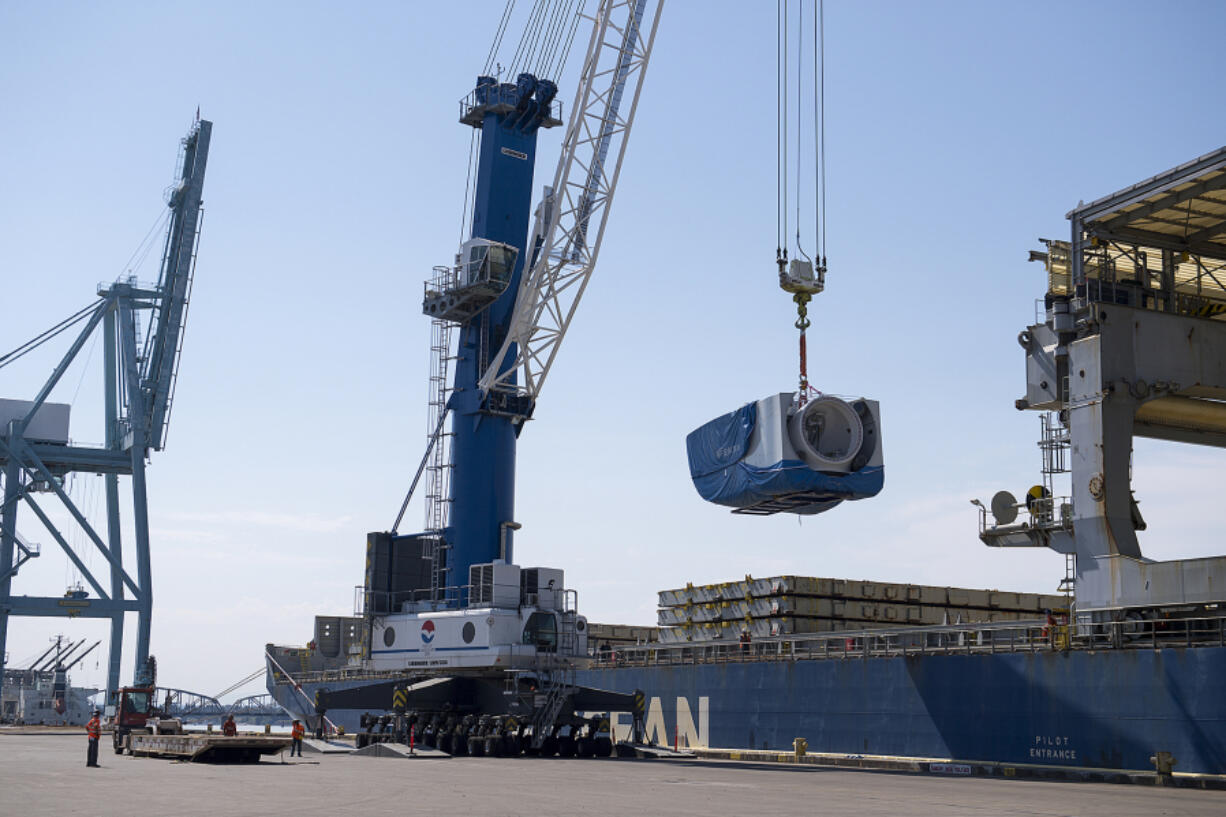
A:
(775, 456)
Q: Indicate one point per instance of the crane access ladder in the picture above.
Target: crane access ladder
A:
(555, 683)
(438, 469)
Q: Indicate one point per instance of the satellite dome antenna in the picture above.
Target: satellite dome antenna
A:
(1004, 508)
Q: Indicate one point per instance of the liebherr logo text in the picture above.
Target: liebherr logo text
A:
(514, 154)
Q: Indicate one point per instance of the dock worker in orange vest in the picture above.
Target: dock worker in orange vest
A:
(228, 728)
(296, 732)
(94, 730)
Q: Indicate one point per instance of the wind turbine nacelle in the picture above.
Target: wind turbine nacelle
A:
(775, 455)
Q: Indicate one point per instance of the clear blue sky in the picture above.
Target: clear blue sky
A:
(959, 133)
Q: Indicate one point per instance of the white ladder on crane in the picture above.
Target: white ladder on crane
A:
(438, 468)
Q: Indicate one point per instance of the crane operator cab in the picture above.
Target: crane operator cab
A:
(779, 455)
(541, 632)
(482, 272)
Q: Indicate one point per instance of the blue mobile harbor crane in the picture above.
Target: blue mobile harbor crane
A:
(473, 653)
(484, 431)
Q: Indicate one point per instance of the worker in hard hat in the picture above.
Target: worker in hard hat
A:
(94, 730)
(296, 732)
(228, 728)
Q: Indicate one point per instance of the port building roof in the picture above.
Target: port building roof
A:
(1183, 209)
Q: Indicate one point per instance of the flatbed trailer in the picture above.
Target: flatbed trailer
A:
(203, 747)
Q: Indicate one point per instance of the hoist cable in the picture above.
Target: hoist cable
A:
(146, 245)
(820, 37)
(523, 37)
(543, 37)
(468, 186)
(570, 24)
(785, 124)
(778, 129)
(502, 29)
(570, 39)
(546, 39)
(534, 36)
(800, 61)
(553, 37)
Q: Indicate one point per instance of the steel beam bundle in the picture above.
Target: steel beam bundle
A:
(786, 605)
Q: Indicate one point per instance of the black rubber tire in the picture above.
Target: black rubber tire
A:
(429, 740)
(549, 747)
(511, 746)
(493, 746)
(475, 746)
(444, 742)
(528, 749)
(604, 747)
(566, 746)
(459, 745)
(585, 747)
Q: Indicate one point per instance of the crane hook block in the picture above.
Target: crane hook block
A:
(800, 278)
(778, 456)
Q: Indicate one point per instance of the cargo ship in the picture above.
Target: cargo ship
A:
(1126, 663)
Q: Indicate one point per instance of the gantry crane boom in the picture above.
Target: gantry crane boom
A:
(164, 342)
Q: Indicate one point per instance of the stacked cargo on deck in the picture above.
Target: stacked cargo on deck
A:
(789, 605)
(604, 640)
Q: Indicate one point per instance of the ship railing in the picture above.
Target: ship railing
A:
(1036, 635)
(1149, 633)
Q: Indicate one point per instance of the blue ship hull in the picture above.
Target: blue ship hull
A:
(1106, 709)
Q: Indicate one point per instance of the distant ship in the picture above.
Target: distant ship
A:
(42, 693)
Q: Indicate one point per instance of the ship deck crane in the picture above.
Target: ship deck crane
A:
(140, 374)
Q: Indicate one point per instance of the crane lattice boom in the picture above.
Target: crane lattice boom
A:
(580, 198)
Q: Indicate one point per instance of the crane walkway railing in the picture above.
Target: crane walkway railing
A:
(22, 553)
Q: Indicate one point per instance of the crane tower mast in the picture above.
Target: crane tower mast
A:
(513, 295)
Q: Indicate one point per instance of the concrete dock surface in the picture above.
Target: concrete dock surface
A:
(45, 774)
